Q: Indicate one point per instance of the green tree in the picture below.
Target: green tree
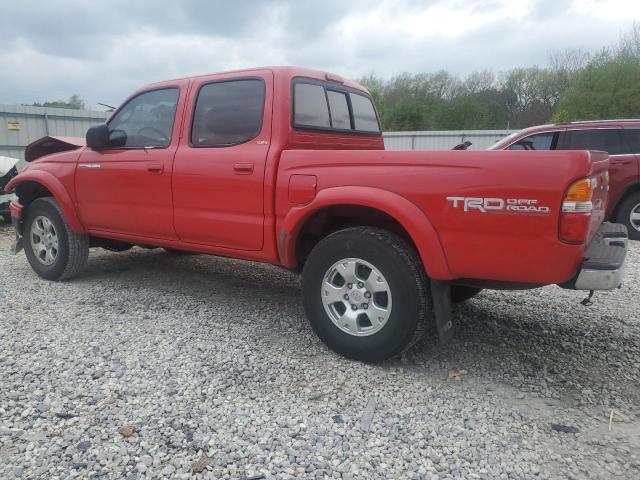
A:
(74, 103)
(608, 87)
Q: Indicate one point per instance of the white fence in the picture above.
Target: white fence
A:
(20, 125)
(442, 139)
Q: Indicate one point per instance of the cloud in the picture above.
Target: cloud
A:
(104, 50)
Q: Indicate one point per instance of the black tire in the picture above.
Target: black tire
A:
(400, 265)
(630, 205)
(462, 293)
(73, 249)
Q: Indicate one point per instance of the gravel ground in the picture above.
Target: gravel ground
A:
(150, 362)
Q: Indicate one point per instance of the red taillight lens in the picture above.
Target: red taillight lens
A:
(575, 216)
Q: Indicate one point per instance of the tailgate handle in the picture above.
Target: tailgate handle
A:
(155, 168)
(243, 168)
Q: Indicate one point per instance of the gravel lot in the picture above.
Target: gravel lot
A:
(150, 362)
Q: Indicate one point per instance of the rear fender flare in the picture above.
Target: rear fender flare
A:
(412, 219)
(60, 194)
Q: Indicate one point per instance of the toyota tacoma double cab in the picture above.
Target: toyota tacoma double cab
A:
(287, 166)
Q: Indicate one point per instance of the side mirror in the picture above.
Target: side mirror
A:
(100, 137)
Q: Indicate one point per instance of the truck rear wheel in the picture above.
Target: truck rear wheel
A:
(53, 250)
(629, 215)
(365, 293)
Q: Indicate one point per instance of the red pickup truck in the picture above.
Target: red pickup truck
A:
(287, 166)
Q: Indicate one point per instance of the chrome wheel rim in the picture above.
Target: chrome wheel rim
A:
(356, 297)
(635, 217)
(44, 240)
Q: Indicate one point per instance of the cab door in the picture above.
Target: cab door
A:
(127, 189)
(219, 168)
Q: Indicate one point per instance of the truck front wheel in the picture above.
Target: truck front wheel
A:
(54, 251)
(365, 293)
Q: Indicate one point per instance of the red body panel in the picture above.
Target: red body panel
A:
(251, 200)
(509, 246)
(624, 170)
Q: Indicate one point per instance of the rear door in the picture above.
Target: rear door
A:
(219, 168)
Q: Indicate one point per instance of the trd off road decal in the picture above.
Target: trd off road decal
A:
(484, 205)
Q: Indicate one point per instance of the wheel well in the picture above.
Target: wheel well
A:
(635, 188)
(337, 217)
(28, 191)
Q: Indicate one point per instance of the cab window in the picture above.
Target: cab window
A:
(604, 139)
(364, 116)
(147, 119)
(539, 141)
(228, 113)
(329, 107)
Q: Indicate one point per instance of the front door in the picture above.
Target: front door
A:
(127, 190)
(219, 169)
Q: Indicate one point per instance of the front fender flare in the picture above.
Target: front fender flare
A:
(60, 194)
(413, 220)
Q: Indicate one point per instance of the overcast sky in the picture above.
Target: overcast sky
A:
(103, 50)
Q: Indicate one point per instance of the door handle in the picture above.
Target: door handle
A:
(243, 168)
(155, 168)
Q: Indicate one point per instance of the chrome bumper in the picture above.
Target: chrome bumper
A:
(603, 264)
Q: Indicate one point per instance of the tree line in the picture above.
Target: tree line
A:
(576, 85)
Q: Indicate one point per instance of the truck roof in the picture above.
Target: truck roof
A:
(278, 71)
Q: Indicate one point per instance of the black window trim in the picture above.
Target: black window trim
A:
(612, 127)
(175, 115)
(226, 80)
(336, 88)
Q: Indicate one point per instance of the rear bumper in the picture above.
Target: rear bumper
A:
(603, 263)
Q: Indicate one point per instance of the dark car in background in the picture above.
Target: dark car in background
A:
(620, 138)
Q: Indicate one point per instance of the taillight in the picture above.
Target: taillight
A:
(575, 217)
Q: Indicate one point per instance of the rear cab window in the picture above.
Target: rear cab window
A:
(335, 108)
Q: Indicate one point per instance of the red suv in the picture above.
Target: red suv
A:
(620, 138)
